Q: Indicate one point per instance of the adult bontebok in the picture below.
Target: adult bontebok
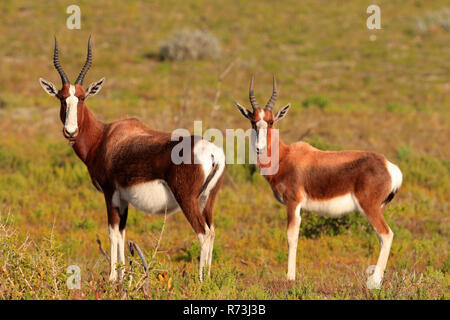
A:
(331, 183)
(132, 164)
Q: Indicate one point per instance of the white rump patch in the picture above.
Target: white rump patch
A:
(396, 175)
(152, 197)
(334, 207)
(71, 123)
(207, 154)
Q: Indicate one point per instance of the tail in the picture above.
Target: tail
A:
(212, 160)
(396, 179)
(210, 176)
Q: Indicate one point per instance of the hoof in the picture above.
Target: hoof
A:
(373, 283)
(113, 277)
(290, 277)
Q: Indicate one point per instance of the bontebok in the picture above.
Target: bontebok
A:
(132, 164)
(331, 183)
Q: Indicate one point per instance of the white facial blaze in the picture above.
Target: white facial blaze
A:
(261, 129)
(71, 123)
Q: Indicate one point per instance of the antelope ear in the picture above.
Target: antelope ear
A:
(48, 87)
(246, 113)
(282, 112)
(94, 88)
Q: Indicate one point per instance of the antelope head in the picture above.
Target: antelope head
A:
(72, 96)
(262, 120)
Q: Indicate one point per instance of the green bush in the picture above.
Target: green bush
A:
(314, 226)
(321, 143)
(425, 171)
(316, 100)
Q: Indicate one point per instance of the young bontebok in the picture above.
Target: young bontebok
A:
(131, 164)
(327, 182)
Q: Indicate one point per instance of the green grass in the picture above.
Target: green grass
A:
(346, 91)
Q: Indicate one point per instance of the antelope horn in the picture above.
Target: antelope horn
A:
(273, 98)
(57, 65)
(252, 95)
(87, 65)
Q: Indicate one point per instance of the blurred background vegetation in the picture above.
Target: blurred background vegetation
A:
(350, 88)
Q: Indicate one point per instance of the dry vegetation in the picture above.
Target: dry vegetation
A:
(390, 95)
(190, 45)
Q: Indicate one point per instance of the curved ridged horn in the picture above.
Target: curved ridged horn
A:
(252, 95)
(57, 64)
(87, 65)
(273, 98)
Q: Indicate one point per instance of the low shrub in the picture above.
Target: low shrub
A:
(190, 45)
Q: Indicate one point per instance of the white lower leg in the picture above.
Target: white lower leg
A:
(375, 280)
(203, 238)
(121, 253)
(211, 247)
(114, 241)
(292, 238)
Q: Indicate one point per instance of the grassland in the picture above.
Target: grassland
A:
(390, 95)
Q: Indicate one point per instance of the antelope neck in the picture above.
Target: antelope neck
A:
(90, 135)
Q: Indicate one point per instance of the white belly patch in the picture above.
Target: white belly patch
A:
(152, 197)
(334, 207)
